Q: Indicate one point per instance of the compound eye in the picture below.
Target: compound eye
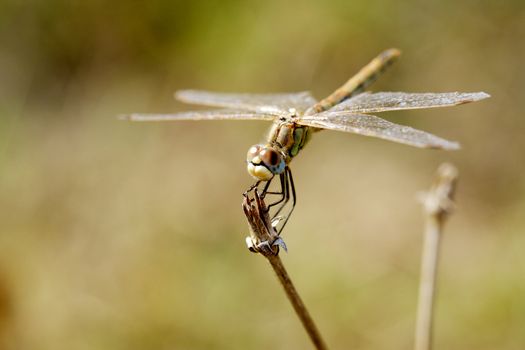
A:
(270, 157)
(253, 152)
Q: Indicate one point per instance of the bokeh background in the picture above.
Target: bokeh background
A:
(116, 235)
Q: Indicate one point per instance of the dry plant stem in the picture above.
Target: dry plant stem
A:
(437, 204)
(296, 301)
(427, 285)
(262, 237)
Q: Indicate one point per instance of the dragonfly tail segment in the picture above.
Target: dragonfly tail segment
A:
(359, 82)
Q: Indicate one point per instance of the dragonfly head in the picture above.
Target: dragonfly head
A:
(264, 162)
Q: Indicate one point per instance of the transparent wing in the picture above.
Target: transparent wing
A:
(220, 114)
(370, 125)
(264, 103)
(391, 101)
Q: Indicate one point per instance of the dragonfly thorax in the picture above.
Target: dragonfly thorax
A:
(289, 137)
(265, 161)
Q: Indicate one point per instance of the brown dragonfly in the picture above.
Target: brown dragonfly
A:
(296, 116)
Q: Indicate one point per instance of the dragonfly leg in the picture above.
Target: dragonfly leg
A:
(284, 193)
(289, 182)
(265, 189)
(262, 193)
(255, 185)
(286, 183)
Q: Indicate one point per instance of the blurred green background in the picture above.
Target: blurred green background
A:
(116, 235)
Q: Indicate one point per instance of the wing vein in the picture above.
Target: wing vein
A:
(391, 101)
(220, 114)
(370, 125)
(276, 104)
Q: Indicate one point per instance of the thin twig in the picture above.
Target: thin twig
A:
(437, 204)
(263, 239)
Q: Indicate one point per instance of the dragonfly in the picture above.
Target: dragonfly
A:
(296, 116)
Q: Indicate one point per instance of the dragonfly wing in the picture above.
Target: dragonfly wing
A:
(220, 114)
(276, 104)
(370, 125)
(392, 101)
